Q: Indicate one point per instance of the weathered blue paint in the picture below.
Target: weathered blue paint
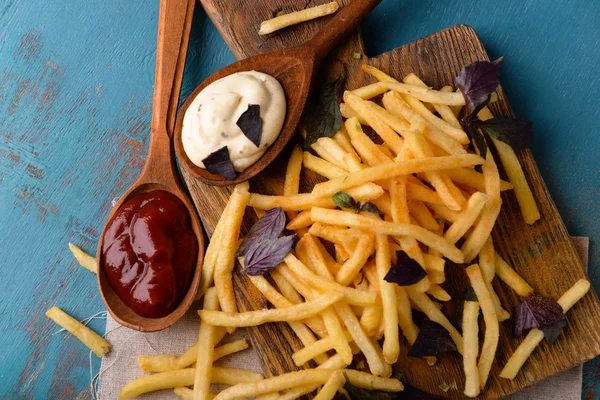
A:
(75, 90)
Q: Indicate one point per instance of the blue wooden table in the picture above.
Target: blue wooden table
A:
(75, 94)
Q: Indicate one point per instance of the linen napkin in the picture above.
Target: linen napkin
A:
(120, 365)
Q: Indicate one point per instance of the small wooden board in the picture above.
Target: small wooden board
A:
(542, 253)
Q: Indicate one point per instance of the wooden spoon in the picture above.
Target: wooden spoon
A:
(295, 69)
(160, 171)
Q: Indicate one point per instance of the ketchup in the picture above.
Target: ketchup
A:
(150, 253)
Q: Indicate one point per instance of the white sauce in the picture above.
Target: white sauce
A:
(210, 121)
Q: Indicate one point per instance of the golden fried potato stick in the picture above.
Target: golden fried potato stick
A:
(91, 339)
(331, 387)
(535, 336)
(490, 340)
(511, 278)
(229, 243)
(205, 349)
(84, 259)
(296, 17)
(471, 347)
(391, 343)
(254, 318)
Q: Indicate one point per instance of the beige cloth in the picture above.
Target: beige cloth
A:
(120, 365)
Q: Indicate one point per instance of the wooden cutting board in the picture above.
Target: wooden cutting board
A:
(542, 253)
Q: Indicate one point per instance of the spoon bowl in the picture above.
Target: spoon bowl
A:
(295, 69)
(160, 171)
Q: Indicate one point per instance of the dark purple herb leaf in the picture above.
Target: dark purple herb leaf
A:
(370, 207)
(323, 117)
(251, 124)
(405, 271)
(477, 81)
(537, 312)
(268, 254)
(433, 339)
(552, 332)
(270, 226)
(478, 140)
(470, 295)
(343, 200)
(517, 133)
(219, 163)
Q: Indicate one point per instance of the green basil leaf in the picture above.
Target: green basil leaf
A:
(344, 200)
(323, 117)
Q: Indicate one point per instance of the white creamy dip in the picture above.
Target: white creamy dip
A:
(210, 121)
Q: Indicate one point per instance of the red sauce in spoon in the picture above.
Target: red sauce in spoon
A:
(150, 253)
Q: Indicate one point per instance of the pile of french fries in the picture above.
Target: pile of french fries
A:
(331, 289)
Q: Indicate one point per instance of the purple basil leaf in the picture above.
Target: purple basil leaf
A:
(478, 141)
(552, 332)
(270, 226)
(537, 312)
(470, 295)
(323, 117)
(433, 339)
(251, 124)
(405, 271)
(268, 254)
(477, 81)
(219, 163)
(517, 133)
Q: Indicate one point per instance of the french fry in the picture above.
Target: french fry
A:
(471, 347)
(367, 110)
(408, 327)
(482, 230)
(348, 113)
(292, 380)
(366, 346)
(465, 219)
(322, 167)
(445, 111)
(185, 393)
(511, 278)
(303, 273)
(229, 242)
(332, 323)
(438, 292)
(165, 362)
(357, 259)
(490, 340)
(348, 238)
(291, 184)
(422, 215)
(300, 221)
(333, 148)
(474, 179)
(371, 315)
(391, 344)
(342, 138)
(304, 201)
(91, 339)
(342, 218)
(329, 390)
(535, 336)
(516, 176)
(185, 377)
(426, 95)
(392, 170)
(286, 288)
(205, 349)
(211, 255)
(296, 17)
(433, 313)
(487, 261)
(455, 109)
(297, 312)
(84, 259)
(325, 154)
(315, 349)
(280, 301)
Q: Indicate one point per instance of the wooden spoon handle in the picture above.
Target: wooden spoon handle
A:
(339, 27)
(174, 25)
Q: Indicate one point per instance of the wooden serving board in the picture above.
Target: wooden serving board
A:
(542, 253)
